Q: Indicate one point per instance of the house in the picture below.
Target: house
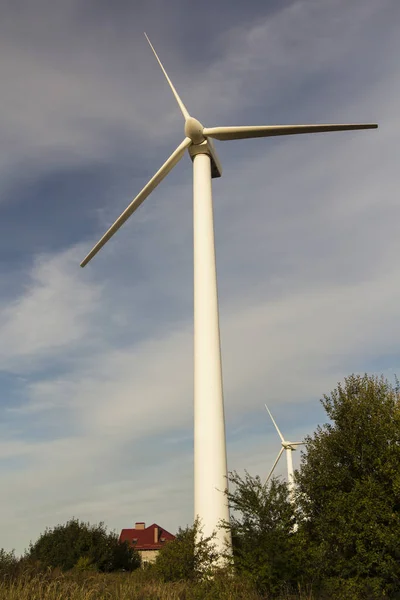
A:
(148, 541)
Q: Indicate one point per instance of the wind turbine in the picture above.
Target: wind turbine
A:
(289, 447)
(210, 465)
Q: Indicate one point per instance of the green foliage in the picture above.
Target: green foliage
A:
(262, 527)
(78, 544)
(8, 564)
(7, 559)
(184, 558)
(349, 491)
(85, 563)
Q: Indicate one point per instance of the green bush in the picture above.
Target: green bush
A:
(85, 564)
(263, 533)
(9, 564)
(80, 545)
(184, 558)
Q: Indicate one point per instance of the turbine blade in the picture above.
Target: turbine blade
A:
(274, 465)
(296, 443)
(183, 108)
(241, 133)
(148, 188)
(276, 426)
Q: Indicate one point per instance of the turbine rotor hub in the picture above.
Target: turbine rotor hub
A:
(194, 130)
(288, 446)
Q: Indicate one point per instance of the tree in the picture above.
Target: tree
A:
(183, 558)
(262, 527)
(349, 491)
(81, 545)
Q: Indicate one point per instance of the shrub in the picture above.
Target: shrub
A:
(78, 544)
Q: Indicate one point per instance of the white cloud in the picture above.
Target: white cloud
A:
(53, 313)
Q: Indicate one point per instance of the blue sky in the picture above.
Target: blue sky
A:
(96, 364)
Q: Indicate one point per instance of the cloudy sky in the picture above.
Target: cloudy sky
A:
(96, 364)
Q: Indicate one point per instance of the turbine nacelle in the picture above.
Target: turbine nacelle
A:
(207, 147)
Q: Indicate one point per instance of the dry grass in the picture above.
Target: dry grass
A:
(136, 586)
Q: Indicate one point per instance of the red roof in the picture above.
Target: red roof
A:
(144, 539)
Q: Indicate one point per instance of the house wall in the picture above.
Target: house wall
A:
(148, 555)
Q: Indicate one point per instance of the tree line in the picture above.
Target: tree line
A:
(339, 538)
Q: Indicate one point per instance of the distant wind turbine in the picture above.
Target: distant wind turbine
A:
(210, 465)
(289, 447)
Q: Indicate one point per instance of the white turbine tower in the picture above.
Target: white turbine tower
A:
(289, 447)
(210, 466)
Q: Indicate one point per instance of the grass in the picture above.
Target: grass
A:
(54, 585)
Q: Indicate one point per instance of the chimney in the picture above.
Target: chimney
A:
(156, 534)
(140, 525)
